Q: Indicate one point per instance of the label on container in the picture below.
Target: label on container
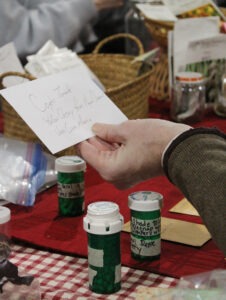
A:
(145, 247)
(145, 228)
(70, 190)
(96, 257)
(104, 273)
(145, 236)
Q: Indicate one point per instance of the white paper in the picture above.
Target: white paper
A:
(179, 7)
(9, 62)
(191, 29)
(50, 60)
(156, 12)
(206, 49)
(61, 108)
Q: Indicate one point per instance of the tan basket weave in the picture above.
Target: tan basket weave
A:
(127, 90)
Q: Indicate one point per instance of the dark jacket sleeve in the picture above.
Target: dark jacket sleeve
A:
(196, 163)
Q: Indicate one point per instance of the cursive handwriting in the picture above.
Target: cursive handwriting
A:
(64, 111)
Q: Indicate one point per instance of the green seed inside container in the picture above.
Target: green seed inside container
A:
(103, 224)
(104, 263)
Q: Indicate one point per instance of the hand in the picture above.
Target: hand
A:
(130, 152)
(105, 4)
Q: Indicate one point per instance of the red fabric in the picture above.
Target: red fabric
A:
(41, 226)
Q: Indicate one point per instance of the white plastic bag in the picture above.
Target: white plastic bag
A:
(24, 169)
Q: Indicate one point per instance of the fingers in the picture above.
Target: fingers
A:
(108, 132)
(93, 150)
(88, 152)
(101, 144)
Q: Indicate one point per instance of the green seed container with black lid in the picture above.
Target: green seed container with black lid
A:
(103, 224)
(70, 176)
(145, 211)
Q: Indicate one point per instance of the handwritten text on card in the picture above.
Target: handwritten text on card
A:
(62, 108)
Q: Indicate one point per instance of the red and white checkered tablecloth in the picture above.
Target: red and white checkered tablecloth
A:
(66, 277)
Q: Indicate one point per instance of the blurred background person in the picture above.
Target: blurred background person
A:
(30, 23)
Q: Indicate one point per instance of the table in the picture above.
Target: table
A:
(66, 277)
(61, 253)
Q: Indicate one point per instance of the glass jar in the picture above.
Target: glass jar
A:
(134, 24)
(220, 102)
(188, 97)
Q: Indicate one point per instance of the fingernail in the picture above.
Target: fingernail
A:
(95, 127)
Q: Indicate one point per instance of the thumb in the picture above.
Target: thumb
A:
(108, 132)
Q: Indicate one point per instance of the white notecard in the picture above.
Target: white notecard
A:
(62, 108)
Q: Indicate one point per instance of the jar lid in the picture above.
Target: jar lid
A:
(70, 164)
(145, 201)
(189, 77)
(103, 217)
(5, 214)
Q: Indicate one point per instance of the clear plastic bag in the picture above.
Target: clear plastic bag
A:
(203, 286)
(24, 170)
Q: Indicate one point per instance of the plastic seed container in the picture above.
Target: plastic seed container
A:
(103, 224)
(70, 175)
(145, 210)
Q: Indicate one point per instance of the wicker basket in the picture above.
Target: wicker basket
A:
(159, 30)
(124, 87)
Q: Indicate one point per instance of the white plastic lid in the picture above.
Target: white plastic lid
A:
(5, 214)
(70, 164)
(145, 201)
(103, 217)
(189, 77)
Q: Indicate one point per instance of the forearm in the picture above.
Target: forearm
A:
(60, 21)
(197, 166)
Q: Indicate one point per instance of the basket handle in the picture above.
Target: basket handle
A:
(19, 74)
(119, 36)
